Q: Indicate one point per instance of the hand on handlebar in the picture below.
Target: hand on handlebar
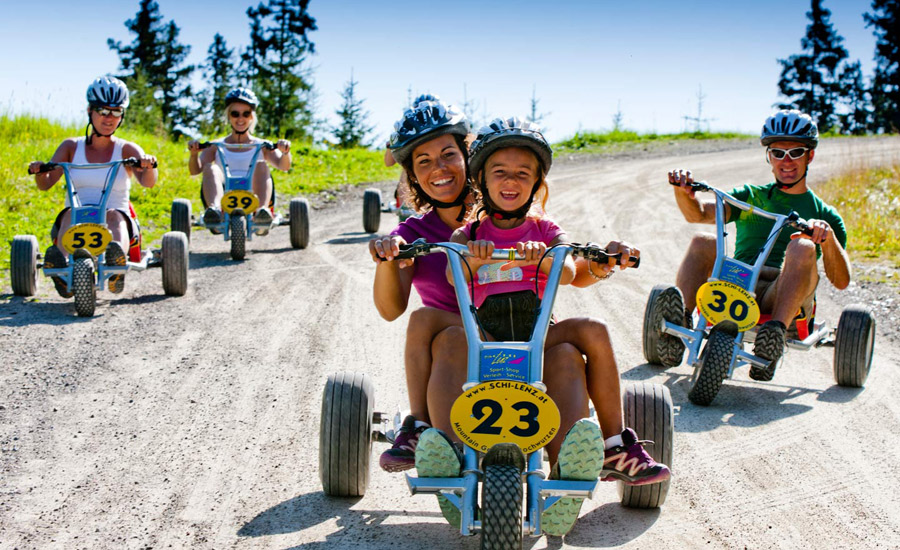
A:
(146, 162)
(818, 232)
(34, 167)
(194, 146)
(284, 146)
(386, 248)
(626, 250)
(683, 180)
(481, 249)
(531, 250)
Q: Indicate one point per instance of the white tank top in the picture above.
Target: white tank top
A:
(238, 161)
(89, 183)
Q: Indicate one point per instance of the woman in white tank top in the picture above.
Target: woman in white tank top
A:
(240, 113)
(107, 100)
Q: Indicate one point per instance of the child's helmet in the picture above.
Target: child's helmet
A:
(244, 95)
(512, 132)
(424, 122)
(108, 91)
(790, 125)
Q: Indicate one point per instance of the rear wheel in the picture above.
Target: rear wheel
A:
(181, 217)
(854, 344)
(371, 210)
(23, 272)
(238, 230)
(83, 286)
(299, 223)
(501, 502)
(649, 411)
(714, 364)
(345, 434)
(175, 263)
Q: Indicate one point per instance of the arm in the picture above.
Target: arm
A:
(834, 257)
(145, 174)
(693, 208)
(393, 279)
(537, 250)
(389, 157)
(199, 157)
(280, 157)
(584, 268)
(63, 153)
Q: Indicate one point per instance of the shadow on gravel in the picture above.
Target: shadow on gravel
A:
(839, 394)
(352, 238)
(609, 525)
(201, 260)
(146, 299)
(20, 312)
(274, 250)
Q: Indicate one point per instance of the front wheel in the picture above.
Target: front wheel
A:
(371, 210)
(181, 217)
(23, 272)
(299, 223)
(715, 361)
(649, 411)
(345, 434)
(854, 344)
(501, 502)
(83, 286)
(238, 230)
(175, 263)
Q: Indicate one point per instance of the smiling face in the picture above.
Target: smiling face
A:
(510, 175)
(105, 124)
(440, 168)
(786, 169)
(241, 116)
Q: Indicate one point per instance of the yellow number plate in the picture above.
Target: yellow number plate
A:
(244, 200)
(505, 412)
(721, 301)
(93, 237)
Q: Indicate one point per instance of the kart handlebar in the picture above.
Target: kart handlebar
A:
(598, 254)
(588, 251)
(265, 145)
(49, 166)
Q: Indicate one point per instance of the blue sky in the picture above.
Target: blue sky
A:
(585, 58)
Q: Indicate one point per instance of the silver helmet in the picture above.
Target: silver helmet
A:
(790, 125)
(107, 91)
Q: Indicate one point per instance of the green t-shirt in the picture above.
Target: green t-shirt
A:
(753, 230)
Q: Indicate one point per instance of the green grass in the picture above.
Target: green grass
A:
(26, 210)
(869, 201)
(596, 142)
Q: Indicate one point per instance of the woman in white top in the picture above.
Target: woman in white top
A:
(107, 100)
(240, 111)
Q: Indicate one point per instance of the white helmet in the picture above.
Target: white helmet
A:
(108, 91)
(790, 125)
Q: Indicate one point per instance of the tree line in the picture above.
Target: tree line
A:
(823, 81)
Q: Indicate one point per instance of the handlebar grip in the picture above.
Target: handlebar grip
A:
(269, 145)
(636, 260)
(45, 167)
(134, 161)
(205, 145)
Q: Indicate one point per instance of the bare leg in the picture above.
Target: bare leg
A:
(117, 225)
(564, 375)
(424, 324)
(696, 267)
(798, 280)
(448, 374)
(591, 337)
(213, 185)
(262, 184)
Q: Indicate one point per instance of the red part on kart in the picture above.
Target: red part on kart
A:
(134, 248)
(802, 324)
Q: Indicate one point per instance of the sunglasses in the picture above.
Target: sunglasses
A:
(239, 114)
(794, 153)
(103, 111)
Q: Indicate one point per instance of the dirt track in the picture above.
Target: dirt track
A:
(193, 422)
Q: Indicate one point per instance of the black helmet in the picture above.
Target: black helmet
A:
(512, 132)
(424, 122)
(108, 91)
(244, 95)
(791, 125)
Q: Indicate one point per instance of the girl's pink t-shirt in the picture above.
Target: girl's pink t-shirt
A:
(497, 278)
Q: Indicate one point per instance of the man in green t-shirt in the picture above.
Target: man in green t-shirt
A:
(789, 280)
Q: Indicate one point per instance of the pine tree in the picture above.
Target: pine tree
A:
(353, 128)
(218, 70)
(279, 47)
(535, 116)
(885, 19)
(174, 78)
(810, 81)
(856, 116)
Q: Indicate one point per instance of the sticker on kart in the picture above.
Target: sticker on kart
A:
(723, 301)
(245, 200)
(92, 237)
(505, 412)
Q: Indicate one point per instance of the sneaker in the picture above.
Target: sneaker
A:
(769, 345)
(437, 456)
(115, 256)
(262, 219)
(630, 463)
(402, 456)
(54, 258)
(670, 306)
(212, 216)
(580, 458)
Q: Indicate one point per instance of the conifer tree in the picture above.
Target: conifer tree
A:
(856, 114)
(218, 70)
(535, 116)
(811, 80)
(885, 20)
(353, 128)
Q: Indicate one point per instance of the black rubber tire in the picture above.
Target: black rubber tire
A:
(854, 345)
(345, 434)
(501, 508)
(371, 210)
(238, 232)
(181, 217)
(714, 363)
(175, 261)
(83, 286)
(23, 271)
(649, 411)
(651, 332)
(299, 223)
